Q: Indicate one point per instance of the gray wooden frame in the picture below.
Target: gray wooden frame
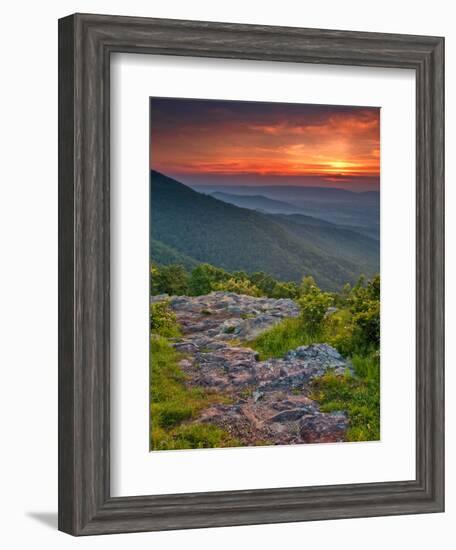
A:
(85, 45)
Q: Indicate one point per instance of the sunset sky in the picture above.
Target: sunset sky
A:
(249, 143)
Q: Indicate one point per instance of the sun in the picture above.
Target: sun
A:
(340, 165)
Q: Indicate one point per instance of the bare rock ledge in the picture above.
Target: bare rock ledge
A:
(270, 399)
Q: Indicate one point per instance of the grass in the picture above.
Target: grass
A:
(293, 332)
(192, 436)
(283, 337)
(173, 405)
(359, 395)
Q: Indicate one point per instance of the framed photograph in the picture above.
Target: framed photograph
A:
(251, 274)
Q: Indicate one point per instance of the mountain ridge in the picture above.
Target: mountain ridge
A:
(207, 230)
(256, 202)
(339, 206)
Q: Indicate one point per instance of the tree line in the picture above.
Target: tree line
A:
(361, 300)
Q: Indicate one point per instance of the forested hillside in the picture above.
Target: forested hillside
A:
(189, 228)
(257, 202)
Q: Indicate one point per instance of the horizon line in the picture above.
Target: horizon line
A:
(263, 184)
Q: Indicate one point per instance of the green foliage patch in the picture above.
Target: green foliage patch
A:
(205, 278)
(163, 321)
(353, 328)
(170, 279)
(314, 305)
(239, 286)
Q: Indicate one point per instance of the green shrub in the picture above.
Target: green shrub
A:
(314, 304)
(367, 325)
(239, 286)
(285, 290)
(338, 331)
(169, 279)
(364, 303)
(266, 283)
(307, 285)
(163, 321)
(203, 277)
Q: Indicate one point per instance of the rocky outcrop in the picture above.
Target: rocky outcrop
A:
(226, 315)
(270, 400)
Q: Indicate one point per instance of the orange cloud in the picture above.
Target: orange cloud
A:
(273, 140)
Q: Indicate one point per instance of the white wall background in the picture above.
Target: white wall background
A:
(28, 287)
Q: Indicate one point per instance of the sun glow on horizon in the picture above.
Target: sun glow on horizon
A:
(229, 138)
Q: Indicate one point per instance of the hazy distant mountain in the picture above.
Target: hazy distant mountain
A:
(257, 202)
(340, 206)
(334, 239)
(201, 228)
(293, 191)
